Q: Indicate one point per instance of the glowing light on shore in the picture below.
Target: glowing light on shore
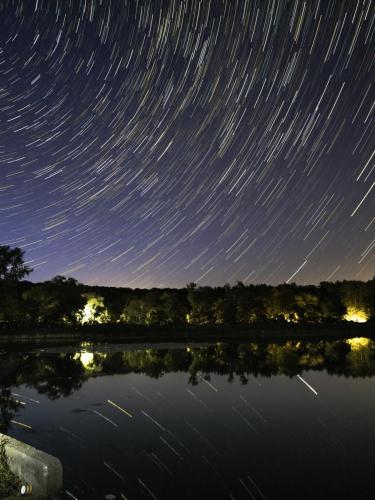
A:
(356, 315)
(357, 343)
(94, 311)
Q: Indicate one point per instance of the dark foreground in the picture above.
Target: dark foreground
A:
(258, 419)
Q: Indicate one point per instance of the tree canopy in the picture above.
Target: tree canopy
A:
(64, 301)
(12, 266)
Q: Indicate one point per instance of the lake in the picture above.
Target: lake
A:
(275, 420)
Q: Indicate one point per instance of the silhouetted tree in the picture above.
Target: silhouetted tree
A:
(12, 269)
(12, 266)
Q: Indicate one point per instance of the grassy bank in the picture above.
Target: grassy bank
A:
(133, 333)
(9, 483)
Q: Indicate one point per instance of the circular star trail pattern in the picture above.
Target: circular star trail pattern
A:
(157, 143)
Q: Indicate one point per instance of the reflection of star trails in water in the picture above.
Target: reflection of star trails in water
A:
(152, 420)
(114, 471)
(147, 489)
(119, 408)
(170, 447)
(105, 418)
(199, 400)
(25, 426)
(25, 397)
(308, 385)
(257, 413)
(71, 495)
(207, 382)
(244, 419)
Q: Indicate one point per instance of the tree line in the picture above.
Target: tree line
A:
(64, 301)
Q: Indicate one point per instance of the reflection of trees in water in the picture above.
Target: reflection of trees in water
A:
(55, 376)
(60, 375)
(244, 360)
(8, 408)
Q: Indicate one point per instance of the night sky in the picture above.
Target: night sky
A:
(155, 143)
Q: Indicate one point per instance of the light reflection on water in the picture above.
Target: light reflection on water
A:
(254, 420)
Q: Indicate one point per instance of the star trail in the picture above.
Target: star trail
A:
(156, 143)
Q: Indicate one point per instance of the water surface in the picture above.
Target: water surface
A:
(255, 420)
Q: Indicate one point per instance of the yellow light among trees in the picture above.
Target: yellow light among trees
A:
(94, 311)
(356, 315)
(291, 317)
(358, 343)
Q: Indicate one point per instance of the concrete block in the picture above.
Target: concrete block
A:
(34, 467)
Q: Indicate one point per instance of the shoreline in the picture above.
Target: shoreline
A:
(131, 333)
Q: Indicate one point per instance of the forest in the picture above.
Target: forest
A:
(65, 301)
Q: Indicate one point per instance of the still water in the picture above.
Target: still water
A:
(222, 421)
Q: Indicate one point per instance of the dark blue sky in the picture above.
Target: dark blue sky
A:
(157, 143)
